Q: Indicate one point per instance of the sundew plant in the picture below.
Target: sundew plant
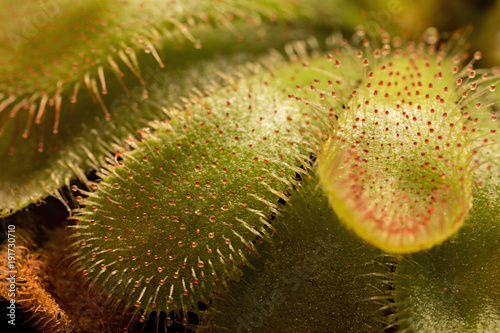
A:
(249, 166)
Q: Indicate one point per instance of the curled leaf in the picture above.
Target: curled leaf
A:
(397, 165)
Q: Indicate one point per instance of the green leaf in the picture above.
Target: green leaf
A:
(168, 224)
(397, 166)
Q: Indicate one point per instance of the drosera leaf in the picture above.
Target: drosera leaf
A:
(397, 165)
(455, 287)
(177, 215)
(317, 277)
(103, 62)
(90, 37)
